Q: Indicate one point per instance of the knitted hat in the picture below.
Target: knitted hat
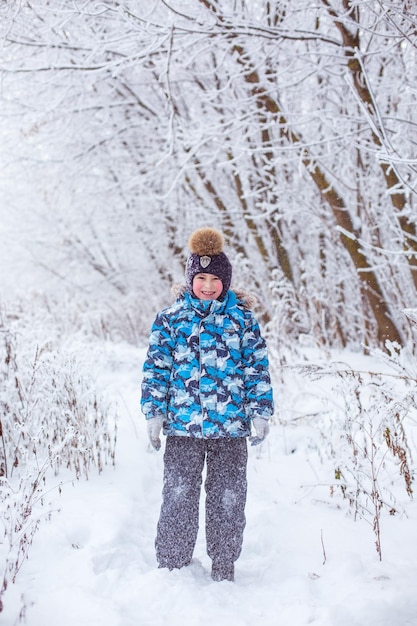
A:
(207, 257)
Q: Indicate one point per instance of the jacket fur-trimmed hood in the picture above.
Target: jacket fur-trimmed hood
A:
(248, 300)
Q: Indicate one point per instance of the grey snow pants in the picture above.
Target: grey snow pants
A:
(225, 487)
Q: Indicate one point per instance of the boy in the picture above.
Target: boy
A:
(205, 381)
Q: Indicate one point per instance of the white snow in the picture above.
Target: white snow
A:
(304, 560)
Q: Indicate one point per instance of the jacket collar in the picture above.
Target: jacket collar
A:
(206, 307)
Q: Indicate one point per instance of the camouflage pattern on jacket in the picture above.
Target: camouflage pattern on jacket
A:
(206, 371)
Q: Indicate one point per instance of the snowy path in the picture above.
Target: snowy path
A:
(94, 563)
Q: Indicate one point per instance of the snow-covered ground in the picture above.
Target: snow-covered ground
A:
(304, 561)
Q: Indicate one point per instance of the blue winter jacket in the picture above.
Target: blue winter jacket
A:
(206, 371)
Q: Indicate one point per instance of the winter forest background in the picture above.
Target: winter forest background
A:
(289, 125)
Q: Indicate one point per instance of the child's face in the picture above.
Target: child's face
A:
(207, 286)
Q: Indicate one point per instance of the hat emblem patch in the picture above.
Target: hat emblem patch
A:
(205, 261)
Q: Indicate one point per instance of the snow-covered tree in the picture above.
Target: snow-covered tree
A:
(288, 125)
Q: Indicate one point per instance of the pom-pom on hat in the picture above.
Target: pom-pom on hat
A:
(207, 257)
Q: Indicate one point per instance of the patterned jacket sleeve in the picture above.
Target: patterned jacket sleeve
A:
(157, 369)
(257, 379)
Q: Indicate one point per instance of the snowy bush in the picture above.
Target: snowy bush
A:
(362, 432)
(125, 318)
(51, 420)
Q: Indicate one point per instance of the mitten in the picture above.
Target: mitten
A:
(261, 427)
(154, 425)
